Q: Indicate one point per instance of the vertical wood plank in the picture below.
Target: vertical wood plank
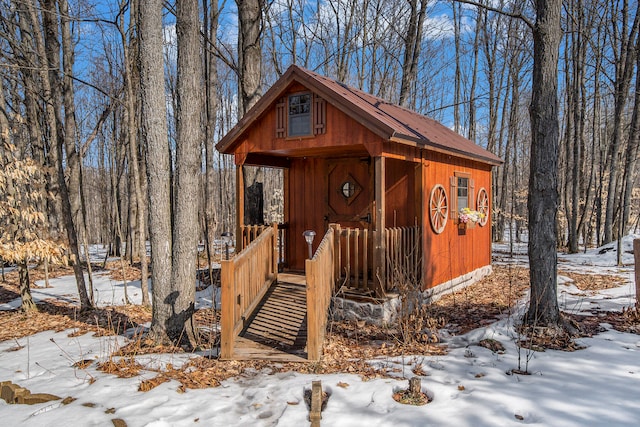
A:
(365, 258)
(336, 253)
(347, 255)
(312, 308)
(239, 207)
(424, 216)
(636, 257)
(356, 256)
(227, 293)
(379, 250)
(275, 252)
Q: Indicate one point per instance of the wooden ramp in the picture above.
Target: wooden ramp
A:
(277, 329)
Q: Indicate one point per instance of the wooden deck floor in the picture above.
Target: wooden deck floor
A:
(277, 329)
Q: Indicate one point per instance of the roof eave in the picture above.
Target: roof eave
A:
(422, 143)
(294, 73)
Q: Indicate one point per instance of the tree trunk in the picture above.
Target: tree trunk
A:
(25, 288)
(543, 175)
(48, 52)
(74, 222)
(249, 52)
(250, 65)
(135, 196)
(154, 134)
(457, 75)
(474, 78)
(211, 99)
(624, 73)
(631, 155)
(413, 40)
(173, 251)
(189, 136)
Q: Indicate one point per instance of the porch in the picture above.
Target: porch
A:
(271, 315)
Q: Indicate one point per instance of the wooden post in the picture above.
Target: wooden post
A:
(227, 300)
(313, 346)
(424, 217)
(239, 207)
(315, 412)
(336, 255)
(276, 252)
(415, 386)
(636, 257)
(379, 243)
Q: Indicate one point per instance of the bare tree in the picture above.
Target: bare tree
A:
(173, 238)
(189, 137)
(135, 196)
(543, 175)
(249, 78)
(210, 212)
(154, 134)
(413, 40)
(249, 52)
(625, 50)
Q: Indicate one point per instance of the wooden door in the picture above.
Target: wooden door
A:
(350, 193)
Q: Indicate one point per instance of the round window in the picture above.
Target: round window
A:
(348, 189)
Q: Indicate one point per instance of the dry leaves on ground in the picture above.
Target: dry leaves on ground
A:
(349, 347)
(594, 282)
(55, 315)
(483, 303)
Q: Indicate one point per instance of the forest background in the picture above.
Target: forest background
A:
(74, 76)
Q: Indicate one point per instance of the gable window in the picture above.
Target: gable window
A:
(300, 114)
(296, 116)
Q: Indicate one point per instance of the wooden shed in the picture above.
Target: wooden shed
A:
(387, 184)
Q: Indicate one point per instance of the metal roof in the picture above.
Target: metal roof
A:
(389, 121)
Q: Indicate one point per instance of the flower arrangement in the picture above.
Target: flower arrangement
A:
(469, 215)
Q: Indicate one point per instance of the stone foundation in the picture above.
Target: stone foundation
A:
(386, 312)
(461, 282)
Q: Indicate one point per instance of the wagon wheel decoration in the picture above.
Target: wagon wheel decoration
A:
(482, 206)
(438, 208)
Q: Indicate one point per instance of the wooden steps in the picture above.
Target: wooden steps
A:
(277, 329)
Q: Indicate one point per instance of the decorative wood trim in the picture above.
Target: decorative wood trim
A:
(483, 205)
(438, 207)
(453, 195)
(281, 118)
(319, 115)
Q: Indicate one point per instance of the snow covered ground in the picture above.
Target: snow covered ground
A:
(597, 386)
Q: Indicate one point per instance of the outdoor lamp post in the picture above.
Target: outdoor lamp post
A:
(308, 237)
(226, 238)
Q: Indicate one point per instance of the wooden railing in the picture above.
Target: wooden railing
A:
(353, 256)
(404, 255)
(320, 277)
(251, 232)
(244, 281)
(354, 261)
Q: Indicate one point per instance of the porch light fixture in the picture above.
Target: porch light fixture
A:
(226, 238)
(308, 237)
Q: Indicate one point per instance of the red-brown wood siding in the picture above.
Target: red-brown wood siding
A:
(401, 209)
(305, 207)
(343, 137)
(453, 253)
